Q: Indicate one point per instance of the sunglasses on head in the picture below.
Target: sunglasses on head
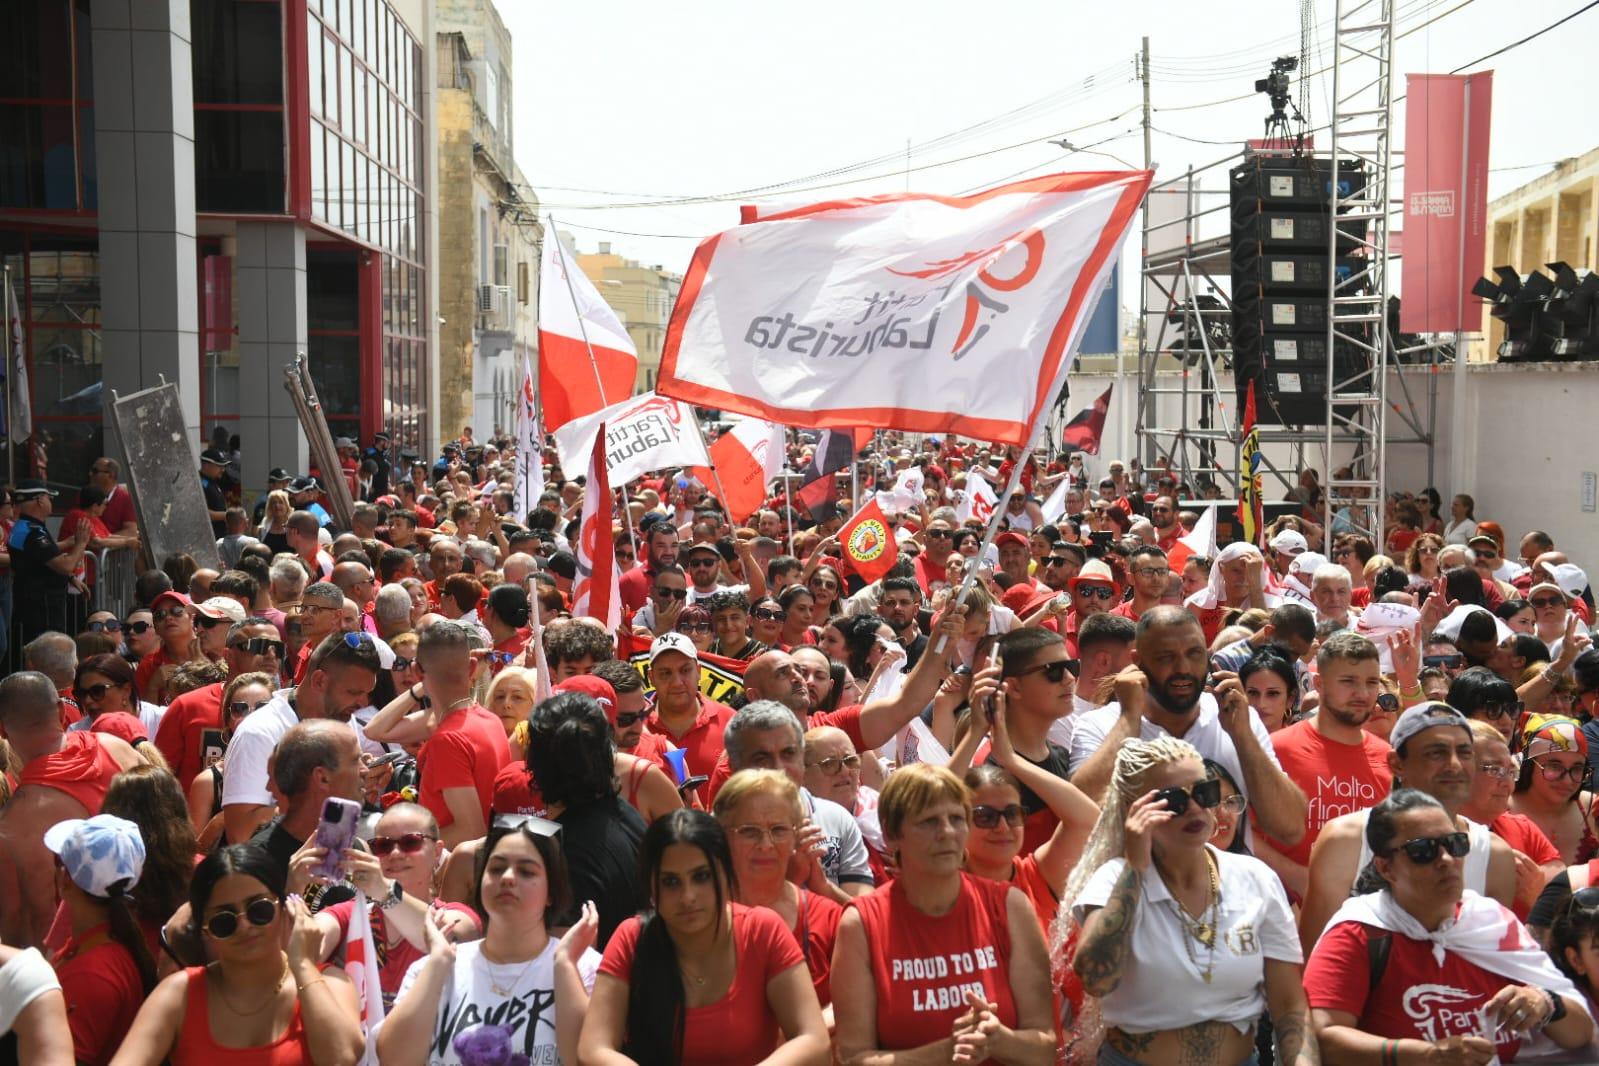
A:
(408, 843)
(671, 594)
(259, 912)
(138, 629)
(97, 692)
(260, 646)
(1054, 672)
(984, 817)
(529, 823)
(1586, 898)
(1424, 851)
(769, 614)
(109, 625)
(625, 719)
(1206, 794)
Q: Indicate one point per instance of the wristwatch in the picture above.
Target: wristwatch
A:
(396, 893)
(1558, 1009)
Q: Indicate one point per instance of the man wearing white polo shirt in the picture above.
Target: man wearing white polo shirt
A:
(1163, 694)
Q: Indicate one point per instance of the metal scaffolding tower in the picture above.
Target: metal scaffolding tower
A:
(1362, 116)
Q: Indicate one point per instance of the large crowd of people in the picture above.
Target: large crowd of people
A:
(1082, 791)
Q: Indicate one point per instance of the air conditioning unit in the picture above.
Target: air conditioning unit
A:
(489, 299)
(502, 293)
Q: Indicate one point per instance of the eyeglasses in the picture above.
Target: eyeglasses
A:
(1553, 773)
(307, 608)
(408, 843)
(694, 627)
(629, 718)
(138, 629)
(755, 835)
(1498, 772)
(1505, 709)
(239, 708)
(259, 912)
(260, 646)
(1388, 703)
(1424, 851)
(402, 663)
(1233, 805)
(97, 692)
(988, 817)
(169, 612)
(1446, 662)
(1151, 571)
(1095, 592)
(671, 594)
(769, 614)
(1206, 794)
(1054, 672)
(1544, 603)
(834, 764)
(106, 626)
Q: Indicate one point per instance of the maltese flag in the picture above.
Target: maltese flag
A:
(596, 590)
(912, 311)
(1200, 541)
(361, 964)
(586, 359)
(745, 459)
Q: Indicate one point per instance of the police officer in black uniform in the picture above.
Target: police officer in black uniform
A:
(41, 568)
(379, 454)
(213, 464)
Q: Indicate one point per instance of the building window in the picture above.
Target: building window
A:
(240, 156)
(333, 334)
(46, 115)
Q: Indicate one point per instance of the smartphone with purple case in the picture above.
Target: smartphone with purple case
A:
(335, 831)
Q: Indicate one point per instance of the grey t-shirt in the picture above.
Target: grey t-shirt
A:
(845, 860)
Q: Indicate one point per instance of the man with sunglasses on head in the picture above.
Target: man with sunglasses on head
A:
(252, 645)
(1339, 766)
(338, 682)
(1433, 751)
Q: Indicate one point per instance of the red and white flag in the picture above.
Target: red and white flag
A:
(586, 359)
(596, 590)
(529, 446)
(1200, 541)
(977, 500)
(746, 458)
(642, 434)
(1082, 433)
(361, 964)
(867, 542)
(911, 311)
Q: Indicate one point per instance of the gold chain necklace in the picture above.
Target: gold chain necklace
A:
(270, 999)
(494, 986)
(1204, 928)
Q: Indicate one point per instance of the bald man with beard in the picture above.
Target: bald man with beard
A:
(64, 776)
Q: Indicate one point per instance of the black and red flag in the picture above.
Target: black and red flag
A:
(1082, 433)
(835, 450)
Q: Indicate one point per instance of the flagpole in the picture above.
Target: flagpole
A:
(716, 476)
(594, 364)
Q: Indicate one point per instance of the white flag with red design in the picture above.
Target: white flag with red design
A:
(529, 446)
(643, 434)
(586, 358)
(596, 590)
(361, 964)
(933, 314)
(745, 459)
(977, 500)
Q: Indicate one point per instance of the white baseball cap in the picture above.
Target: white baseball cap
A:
(1289, 542)
(678, 642)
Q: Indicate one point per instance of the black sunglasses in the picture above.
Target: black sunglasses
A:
(138, 629)
(1095, 592)
(1387, 702)
(769, 614)
(259, 912)
(628, 718)
(97, 692)
(1424, 851)
(260, 646)
(984, 817)
(402, 663)
(207, 622)
(671, 594)
(1206, 794)
(529, 823)
(1445, 662)
(1504, 709)
(106, 626)
(1054, 672)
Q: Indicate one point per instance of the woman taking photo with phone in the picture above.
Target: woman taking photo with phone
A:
(700, 978)
(1173, 930)
(257, 1003)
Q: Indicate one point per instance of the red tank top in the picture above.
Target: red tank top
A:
(196, 1047)
(921, 964)
(83, 769)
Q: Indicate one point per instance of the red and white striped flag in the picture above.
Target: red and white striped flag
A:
(586, 359)
(596, 592)
(745, 459)
(977, 500)
(361, 964)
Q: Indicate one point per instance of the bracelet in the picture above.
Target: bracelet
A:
(1390, 1053)
(300, 989)
(1550, 675)
(412, 693)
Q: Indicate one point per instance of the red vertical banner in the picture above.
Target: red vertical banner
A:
(1446, 199)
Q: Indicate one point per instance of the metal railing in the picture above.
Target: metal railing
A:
(115, 570)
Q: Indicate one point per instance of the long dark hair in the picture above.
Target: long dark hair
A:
(860, 637)
(655, 999)
(1221, 773)
(1574, 927)
(1381, 832)
(151, 799)
(570, 750)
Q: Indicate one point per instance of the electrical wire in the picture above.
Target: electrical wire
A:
(1531, 36)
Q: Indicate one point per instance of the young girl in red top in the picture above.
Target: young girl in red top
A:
(700, 978)
(939, 951)
(257, 1004)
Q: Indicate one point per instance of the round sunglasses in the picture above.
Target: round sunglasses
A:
(259, 912)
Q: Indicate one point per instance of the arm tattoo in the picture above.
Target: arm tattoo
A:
(1101, 956)
(1296, 1046)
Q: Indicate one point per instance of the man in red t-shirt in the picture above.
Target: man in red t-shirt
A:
(660, 550)
(682, 714)
(1015, 555)
(320, 607)
(444, 560)
(1163, 516)
(64, 776)
(627, 723)
(467, 748)
(253, 645)
(1339, 766)
(119, 516)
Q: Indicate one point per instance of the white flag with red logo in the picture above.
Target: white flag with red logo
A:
(642, 434)
(910, 311)
(361, 964)
(977, 500)
(529, 446)
(1199, 541)
(744, 460)
(596, 590)
(586, 359)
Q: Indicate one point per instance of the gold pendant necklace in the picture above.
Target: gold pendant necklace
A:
(1203, 929)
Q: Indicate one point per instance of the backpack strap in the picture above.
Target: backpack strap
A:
(1379, 943)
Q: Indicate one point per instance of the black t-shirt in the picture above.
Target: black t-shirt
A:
(1056, 762)
(601, 843)
(32, 547)
(281, 845)
(215, 500)
(913, 651)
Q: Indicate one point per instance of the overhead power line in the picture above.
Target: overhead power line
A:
(1529, 37)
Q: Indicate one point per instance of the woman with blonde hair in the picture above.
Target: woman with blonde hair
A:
(274, 530)
(1183, 946)
(510, 699)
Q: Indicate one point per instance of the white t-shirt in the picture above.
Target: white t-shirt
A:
(1206, 734)
(1060, 730)
(1163, 984)
(252, 745)
(150, 715)
(468, 999)
(23, 980)
(845, 859)
(695, 596)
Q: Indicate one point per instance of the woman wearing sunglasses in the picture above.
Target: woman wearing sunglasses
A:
(760, 812)
(698, 977)
(1481, 694)
(1550, 787)
(1413, 968)
(103, 686)
(139, 635)
(399, 878)
(264, 999)
(694, 622)
(828, 588)
(766, 622)
(940, 963)
(1492, 785)
(518, 973)
(240, 697)
(1182, 945)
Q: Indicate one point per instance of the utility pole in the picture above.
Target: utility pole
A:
(1143, 257)
(1143, 75)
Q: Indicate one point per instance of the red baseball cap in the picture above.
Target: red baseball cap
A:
(121, 724)
(175, 597)
(598, 688)
(1010, 536)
